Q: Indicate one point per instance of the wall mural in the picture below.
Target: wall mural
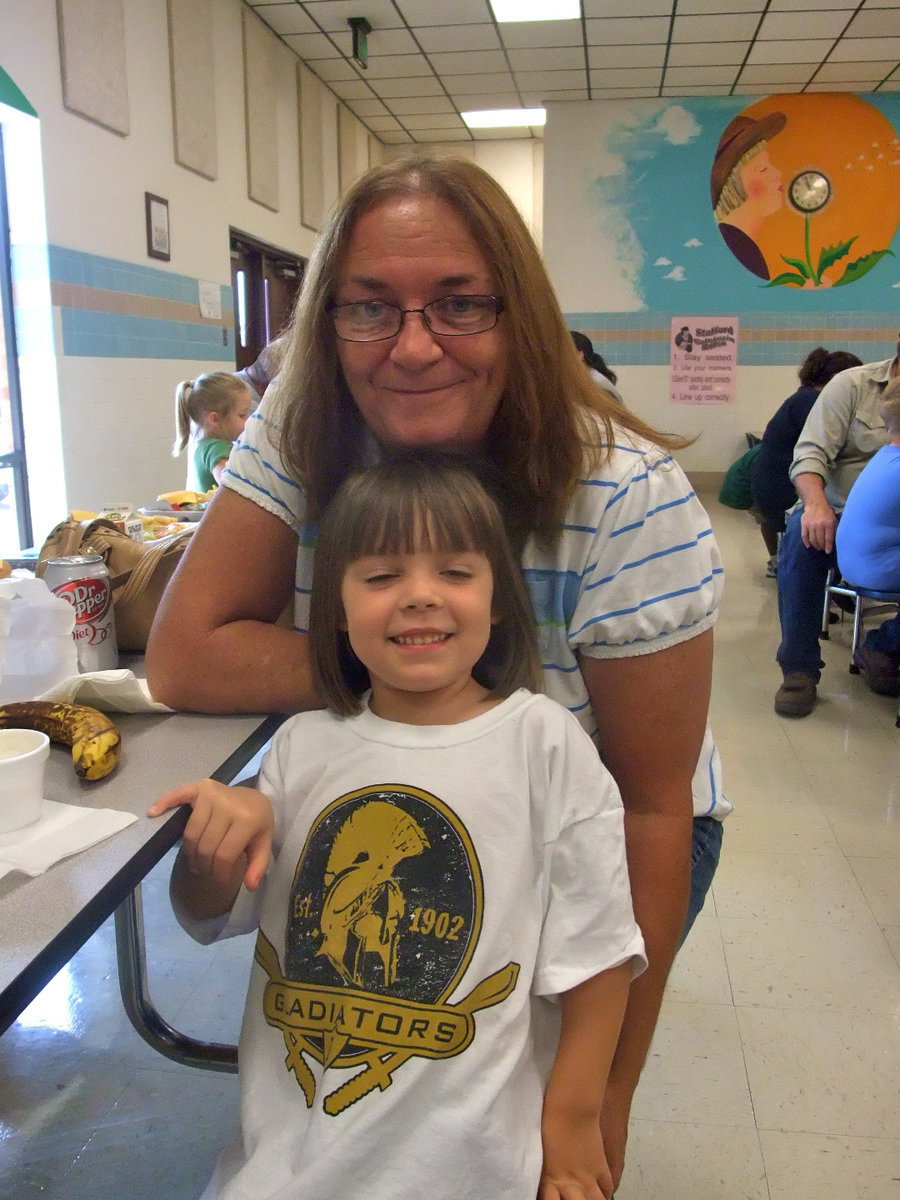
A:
(712, 204)
(835, 182)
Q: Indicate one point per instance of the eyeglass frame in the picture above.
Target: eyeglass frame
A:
(499, 305)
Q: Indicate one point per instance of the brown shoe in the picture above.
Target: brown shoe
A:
(881, 671)
(797, 695)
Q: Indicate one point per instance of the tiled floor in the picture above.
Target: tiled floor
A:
(775, 1073)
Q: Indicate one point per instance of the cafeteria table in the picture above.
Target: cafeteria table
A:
(46, 919)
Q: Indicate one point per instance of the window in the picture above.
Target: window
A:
(15, 513)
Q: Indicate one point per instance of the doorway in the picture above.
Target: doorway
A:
(265, 282)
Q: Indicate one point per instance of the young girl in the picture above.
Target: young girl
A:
(446, 936)
(210, 413)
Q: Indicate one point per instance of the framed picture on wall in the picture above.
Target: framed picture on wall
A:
(156, 211)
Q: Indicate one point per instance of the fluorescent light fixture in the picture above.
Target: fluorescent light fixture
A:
(536, 10)
(504, 118)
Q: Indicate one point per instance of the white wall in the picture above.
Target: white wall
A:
(115, 414)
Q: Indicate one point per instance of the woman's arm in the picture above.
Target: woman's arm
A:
(214, 646)
(574, 1159)
(651, 711)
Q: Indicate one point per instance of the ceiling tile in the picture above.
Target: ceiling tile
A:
(627, 31)
(689, 8)
(875, 22)
(396, 139)
(333, 69)
(405, 105)
(627, 8)
(708, 90)
(832, 87)
(863, 48)
(468, 85)
(349, 89)
(526, 35)
(437, 38)
(471, 63)
(623, 93)
(538, 98)
(444, 12)
(382, 124)
(729, 27)
(332, 15)
(699, 75)
(793, 5)
(695, 54)
(549, 80)
(368, 108)
(620, 77)
(816, 23)
(309, 46)
(760, 89)
(785, 52)
(420, 85)
(478, 100)
(775, 74)
(390, 41)
(286, 18)
(434, 121)
(557, 58)
(627, 56)
(845, 72)
(397, 66)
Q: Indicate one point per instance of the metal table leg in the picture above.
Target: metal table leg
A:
(132, 962)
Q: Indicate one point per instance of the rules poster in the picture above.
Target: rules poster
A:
(703, 360)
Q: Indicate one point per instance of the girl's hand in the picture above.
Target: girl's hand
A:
(575, 1166)
(226, 824)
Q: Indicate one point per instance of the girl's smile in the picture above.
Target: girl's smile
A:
(420, 622)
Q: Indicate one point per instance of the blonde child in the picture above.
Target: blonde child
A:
(436, 869)
(210, 414)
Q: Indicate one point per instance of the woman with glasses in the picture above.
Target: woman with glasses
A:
(427, 319)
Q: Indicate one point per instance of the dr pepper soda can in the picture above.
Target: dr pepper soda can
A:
(83, 580)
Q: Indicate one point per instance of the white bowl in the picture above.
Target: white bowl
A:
(23, 757)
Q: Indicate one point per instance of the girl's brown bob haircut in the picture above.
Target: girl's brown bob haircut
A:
(406, 504)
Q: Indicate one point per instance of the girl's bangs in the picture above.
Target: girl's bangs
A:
(406, 521)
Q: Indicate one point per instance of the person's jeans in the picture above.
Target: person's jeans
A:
(802, 573)
(705, 852)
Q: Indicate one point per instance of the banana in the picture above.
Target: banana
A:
(94, 739)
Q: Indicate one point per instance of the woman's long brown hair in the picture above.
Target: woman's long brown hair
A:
(545, 432)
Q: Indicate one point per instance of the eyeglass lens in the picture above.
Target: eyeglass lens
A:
(372, 320)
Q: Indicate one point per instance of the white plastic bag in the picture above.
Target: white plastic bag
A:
(36, 646)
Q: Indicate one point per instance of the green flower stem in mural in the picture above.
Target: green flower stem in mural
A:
(805, 274)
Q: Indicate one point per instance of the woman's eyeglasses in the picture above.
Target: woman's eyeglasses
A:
(450, 316)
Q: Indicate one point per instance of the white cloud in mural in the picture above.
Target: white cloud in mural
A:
(677, 124)
(693, 242)
(663, 262)
(676, 274)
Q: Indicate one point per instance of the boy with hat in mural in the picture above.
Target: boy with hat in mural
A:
(746, 187)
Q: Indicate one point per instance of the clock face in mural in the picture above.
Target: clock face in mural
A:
(809, 191)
